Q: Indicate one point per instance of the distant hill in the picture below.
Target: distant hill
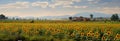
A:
(55, 17)
(96, 14)
(85, 14)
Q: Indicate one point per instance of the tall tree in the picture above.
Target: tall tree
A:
(70, 18)
(115, 17)
(91, 16)
(2, 16)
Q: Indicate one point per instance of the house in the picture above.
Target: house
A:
(90, 19)
(80, 18)
(101, 19)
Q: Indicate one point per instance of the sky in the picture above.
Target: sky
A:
(39, 8)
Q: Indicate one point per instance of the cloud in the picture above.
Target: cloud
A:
(93, 1)
(62, 3)
(40, 4)
(54, 3)
(68, 6)
(17, 5)
(110, 4)
(108, 10)
(77, 0)
(80, 6)
(40, 13)
(67, 0)
(90, 0)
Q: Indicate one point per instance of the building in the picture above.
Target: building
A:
(101, 19)
(80, 19)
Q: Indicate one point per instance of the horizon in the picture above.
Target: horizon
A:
(39, 8)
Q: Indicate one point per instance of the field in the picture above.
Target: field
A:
(59, 31)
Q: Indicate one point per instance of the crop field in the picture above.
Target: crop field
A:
(59, 31)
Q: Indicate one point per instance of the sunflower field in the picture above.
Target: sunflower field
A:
(59, 31)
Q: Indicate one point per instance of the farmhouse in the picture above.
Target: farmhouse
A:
(101, 19)
(80, 18)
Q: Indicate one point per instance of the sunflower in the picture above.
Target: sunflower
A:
(103, 38)
(72, 35)
(109, 33)
(88, 34)
(82, 34)
(97, 34)
(117, 37)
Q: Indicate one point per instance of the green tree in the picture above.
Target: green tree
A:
(2, 16)
(115, 17)
(91, 16)
(70, 18)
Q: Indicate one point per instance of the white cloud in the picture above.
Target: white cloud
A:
(40, 4)
(62, 3)
(68, 6)
(90, 0)
(40, 13)
(93, 1)
(54, 3)
(68, 0)
(108, 10)
(17, 5)
(80, 6)
(77, 0)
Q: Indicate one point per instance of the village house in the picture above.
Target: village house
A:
(101, 19)
(89, 19)
(80, 18)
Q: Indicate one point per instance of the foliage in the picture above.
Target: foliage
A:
(91, 16)
(70, 18)
(115, 17)
(60, 31)
(3, 16)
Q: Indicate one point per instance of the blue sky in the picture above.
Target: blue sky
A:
(39, 8)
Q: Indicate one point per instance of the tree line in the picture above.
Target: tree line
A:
(114, 17)
(2, 17)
